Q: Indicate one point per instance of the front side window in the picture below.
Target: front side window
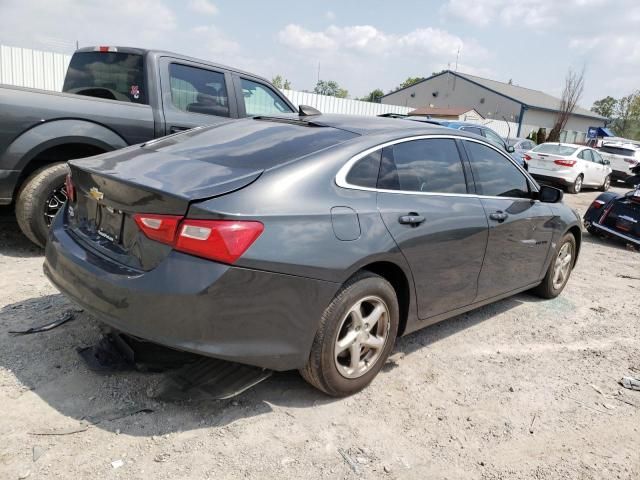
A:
(261, 100)
(431, 165)
(110, 75)
(365, 171)
(495, 175)
(596, 157)
(197, 90)
(494, 138)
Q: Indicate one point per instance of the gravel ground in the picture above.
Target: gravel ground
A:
(522, 388)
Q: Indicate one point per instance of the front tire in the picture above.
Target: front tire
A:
(576, 186)
(606, 184)
(559, 270)
(39, 199)
(356, 335)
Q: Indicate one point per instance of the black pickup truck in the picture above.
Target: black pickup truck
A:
(112, 97)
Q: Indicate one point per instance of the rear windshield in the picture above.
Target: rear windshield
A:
(555, 149)
(251, 143)
(110, 75)
(627, 152)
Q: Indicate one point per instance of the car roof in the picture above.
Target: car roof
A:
(562, 144)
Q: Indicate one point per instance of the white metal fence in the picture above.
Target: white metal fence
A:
(327, 104)
(32, 68)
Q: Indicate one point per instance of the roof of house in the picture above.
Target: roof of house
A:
(450, 111)
(527, 96)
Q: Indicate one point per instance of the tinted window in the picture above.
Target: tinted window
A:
(261, 100)
(475, 130)
(197, 90)
(618, 150)
(596, 157)
(365, 171)
(586, 155)
(495, 176)
(110, 75)
(423, 166)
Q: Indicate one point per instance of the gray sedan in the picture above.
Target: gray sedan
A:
(305, 242)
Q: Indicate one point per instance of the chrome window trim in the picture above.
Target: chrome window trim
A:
(341, 176)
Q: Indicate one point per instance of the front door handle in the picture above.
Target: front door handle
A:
(499, 216)
(176, 129)
(412, 219)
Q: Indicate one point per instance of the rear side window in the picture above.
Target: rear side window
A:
(109, 75)
(494, 175)
(586, 155)
(197, 90)
(475, 130)
(365, 171)
(431, 165)
(261, 100)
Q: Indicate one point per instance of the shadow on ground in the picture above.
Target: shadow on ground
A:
(608, 241)
(12, 242)
(47, 364)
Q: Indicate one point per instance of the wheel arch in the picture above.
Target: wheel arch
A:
(577, 235)
(400, 282)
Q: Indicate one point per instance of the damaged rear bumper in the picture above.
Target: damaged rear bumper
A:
(248, 316)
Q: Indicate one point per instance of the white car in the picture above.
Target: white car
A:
(571, 166)
(622, 156)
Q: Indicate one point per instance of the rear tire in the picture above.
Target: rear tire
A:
(577, 185)
(331, 367)
(551, 285)
(33, 197)
(606, 184)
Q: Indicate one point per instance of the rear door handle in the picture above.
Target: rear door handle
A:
(499, 216)
(412, 219)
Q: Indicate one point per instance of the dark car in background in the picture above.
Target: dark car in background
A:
(112, 97)
(305, 242)
(615, 215)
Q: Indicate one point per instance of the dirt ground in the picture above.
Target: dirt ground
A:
(519, 389)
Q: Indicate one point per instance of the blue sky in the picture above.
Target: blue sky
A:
(361, 45)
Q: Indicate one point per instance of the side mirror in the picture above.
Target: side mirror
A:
(549, 194)
(606, 162)
(510, 149)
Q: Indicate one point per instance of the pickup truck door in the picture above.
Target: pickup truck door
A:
(195, 94)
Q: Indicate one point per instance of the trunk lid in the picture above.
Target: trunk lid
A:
(545, 161)
(624, 216)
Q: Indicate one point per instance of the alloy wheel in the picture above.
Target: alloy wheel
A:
(362, 336)
(607, 183)
(563, 264)
(54, 203)
(578, 184)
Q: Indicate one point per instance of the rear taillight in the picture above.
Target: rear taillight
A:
(565, 163)
(631, 161)
(526, 157)
(70, 188)
(220, 240)
(597, 204)
(161, 228)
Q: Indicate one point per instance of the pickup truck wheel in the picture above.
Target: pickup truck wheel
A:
(356, 334)
(606, 184)
(39, 199)
(576, 186)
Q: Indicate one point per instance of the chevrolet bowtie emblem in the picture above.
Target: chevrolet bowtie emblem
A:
(96, 194)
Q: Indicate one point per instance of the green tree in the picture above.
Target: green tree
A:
(280, 82)
(373, 96)
(410, 81)
(627, 113)
(605, 106)
(330, 88)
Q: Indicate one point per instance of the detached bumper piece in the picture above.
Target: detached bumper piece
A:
(187, 376)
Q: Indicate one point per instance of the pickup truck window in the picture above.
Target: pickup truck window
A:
(261, 100)
(197, 90)
(110, 75)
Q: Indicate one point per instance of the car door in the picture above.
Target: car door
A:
(520, 228)
(194, 94)
(259, 98)
(440, 228)
(588, 167)
(599, 167)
